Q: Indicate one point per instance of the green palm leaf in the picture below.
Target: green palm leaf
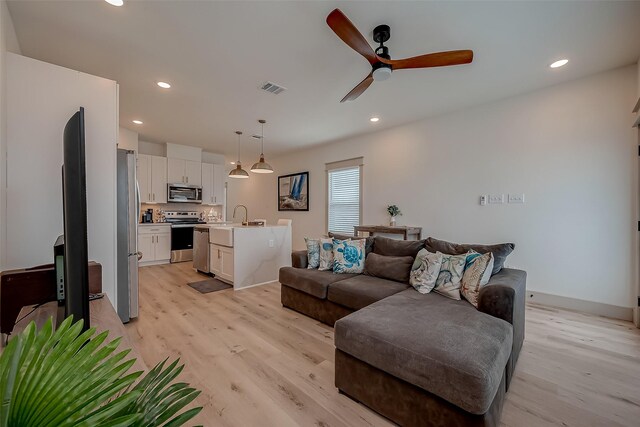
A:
(70, 378)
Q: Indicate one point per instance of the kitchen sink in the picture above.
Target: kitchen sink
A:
(222, 236)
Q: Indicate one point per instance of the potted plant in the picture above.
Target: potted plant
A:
(394, 211)
(68, 378)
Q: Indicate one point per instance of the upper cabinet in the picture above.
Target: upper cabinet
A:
(212, 184)
(152, 178)
(180, 171)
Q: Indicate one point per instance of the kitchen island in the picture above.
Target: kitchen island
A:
(247, 256)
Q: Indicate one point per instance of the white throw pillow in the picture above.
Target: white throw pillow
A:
(425, 270)
(450, 276)
(326, 254)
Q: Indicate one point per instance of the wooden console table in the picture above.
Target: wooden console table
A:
(407, 233)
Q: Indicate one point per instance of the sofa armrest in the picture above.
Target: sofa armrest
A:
(299, 259)
(504, 297)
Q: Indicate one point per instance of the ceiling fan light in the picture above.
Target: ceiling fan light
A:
(261, 166)
(238, 172)
(381, 74)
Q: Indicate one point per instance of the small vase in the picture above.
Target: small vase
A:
(392, 223)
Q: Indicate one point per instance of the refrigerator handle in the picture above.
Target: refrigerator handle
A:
(138, 205)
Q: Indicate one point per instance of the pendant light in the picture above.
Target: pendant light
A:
(262, 166)
(238, 172)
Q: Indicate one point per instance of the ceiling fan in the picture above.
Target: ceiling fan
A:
(381, 63)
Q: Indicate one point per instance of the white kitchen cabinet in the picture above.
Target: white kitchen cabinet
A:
(221, 262)
(152, 178)
(218, 184)
(163, 246)
(158, 179)
(212, 184)
(180, 171)
(146, 247)
(207, 184)
(154, 241)
(143, 173)
(193, 172)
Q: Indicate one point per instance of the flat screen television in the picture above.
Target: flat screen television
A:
(74, 195)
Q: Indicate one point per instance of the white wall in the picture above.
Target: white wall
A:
(152, 148)
(569, 148)
(41, 98)
(8, 42)
(127, 139)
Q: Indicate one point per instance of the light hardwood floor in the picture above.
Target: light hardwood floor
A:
(259, 364)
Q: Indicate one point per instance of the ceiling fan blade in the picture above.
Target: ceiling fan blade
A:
(439, 59)
(359, 89)
(349, 34)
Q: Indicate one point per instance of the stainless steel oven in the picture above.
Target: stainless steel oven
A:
(182, 227)
(184, 193)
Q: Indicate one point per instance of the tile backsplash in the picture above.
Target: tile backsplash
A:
(218, 211)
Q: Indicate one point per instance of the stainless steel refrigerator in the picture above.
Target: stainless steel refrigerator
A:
(128, 214)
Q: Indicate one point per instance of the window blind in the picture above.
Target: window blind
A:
(344, 199)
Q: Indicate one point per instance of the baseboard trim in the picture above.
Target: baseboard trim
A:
(591, 307)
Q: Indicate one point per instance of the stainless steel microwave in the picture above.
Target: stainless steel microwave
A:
(184, 193)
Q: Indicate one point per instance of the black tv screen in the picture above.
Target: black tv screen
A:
(74, 195)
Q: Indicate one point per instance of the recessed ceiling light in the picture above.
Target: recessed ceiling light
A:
(559, 63)
(138, 122)
(232, 163)
(115, 2)
(374, 119)
(164, 85)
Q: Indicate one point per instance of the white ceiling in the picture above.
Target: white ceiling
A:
(216, 54)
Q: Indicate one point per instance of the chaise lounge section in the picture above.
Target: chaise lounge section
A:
(417, 359)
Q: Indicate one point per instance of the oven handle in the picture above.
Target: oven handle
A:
(183, 225)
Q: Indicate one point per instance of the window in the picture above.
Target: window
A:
(344, 198)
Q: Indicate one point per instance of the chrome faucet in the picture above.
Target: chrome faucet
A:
(246, 214)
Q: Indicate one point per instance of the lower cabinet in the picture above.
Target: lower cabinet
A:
(221, 261)
(154, 242)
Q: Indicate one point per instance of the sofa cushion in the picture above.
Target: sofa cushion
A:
(396, 247)
(443, 346)
(500, 251)
(311, 281)
(396, 268)
(361, 290)
(368, 240)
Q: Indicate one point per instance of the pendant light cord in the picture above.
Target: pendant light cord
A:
(262, 140)
(238, 133)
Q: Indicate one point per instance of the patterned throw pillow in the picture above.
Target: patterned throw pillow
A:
(450, 276)
(476, 274)
(348, 256)
(326, 254)
(313, 252)
(425, 270)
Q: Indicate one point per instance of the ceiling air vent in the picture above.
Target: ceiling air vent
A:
(272, 88)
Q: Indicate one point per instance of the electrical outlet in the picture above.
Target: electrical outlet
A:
(271, 243)
(516, 198)
(496, 199)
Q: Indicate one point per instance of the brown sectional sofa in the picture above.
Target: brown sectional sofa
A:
(419, 360)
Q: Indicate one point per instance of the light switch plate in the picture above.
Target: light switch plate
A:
(516, 198)
(483, 200)
(496, 199)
